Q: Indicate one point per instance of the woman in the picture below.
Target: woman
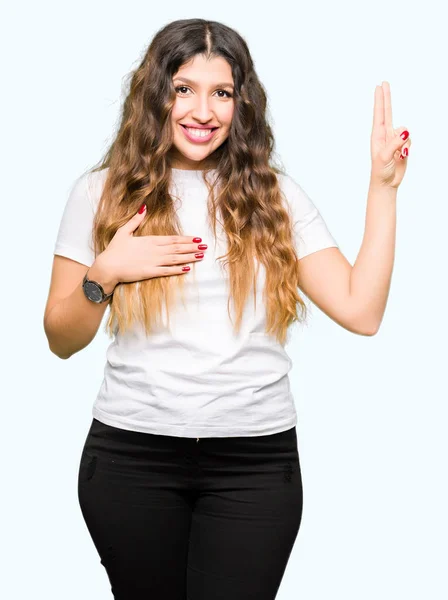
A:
(189, 480)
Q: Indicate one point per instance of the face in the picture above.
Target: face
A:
(202, 112)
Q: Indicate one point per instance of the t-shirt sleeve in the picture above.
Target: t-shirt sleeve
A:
(310, 230)
(74, 238)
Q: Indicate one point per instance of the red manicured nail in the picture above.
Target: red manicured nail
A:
(404, 135)
(197, 240)
(405, 151)
(185, 268)
(141, 209)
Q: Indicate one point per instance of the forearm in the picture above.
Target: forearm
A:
(372, 271)
(74, 321)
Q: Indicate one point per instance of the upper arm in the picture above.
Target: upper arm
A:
(73, 249)
(324, 277)
(324, 271)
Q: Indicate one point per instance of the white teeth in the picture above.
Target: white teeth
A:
(198, 132)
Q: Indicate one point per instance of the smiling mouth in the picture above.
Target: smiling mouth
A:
(199, 135)
(207, 129)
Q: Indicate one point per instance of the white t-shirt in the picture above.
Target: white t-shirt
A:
(197, 379)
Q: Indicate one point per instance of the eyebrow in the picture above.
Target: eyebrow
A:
(190, 82)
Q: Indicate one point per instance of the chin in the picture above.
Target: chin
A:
(194, 157)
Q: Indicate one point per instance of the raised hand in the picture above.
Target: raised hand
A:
(389, 147)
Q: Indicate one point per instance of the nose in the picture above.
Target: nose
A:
(202, 110)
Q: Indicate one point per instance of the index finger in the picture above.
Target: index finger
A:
(165, 240)
(378, 109)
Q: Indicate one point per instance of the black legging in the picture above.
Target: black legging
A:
(174, 518)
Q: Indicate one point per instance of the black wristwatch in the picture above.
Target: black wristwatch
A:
(93, 291)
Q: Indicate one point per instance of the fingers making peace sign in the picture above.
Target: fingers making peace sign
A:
(389, 147)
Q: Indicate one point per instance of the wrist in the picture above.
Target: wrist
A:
(381, 188)
(100, 273)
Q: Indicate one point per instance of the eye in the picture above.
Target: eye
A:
(229, 95)
(181, 87)
(184, 87)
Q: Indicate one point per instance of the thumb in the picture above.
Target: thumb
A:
(135, 221)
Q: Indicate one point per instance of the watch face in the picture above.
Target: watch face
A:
(93, 292)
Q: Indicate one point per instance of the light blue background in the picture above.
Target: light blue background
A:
(372, 411)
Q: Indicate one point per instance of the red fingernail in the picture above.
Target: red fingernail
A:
(405, 151)
(404, 135)
(185, 268)
(197, 240)
(141, 209)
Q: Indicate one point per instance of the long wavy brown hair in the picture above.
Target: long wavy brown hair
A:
(245, 195)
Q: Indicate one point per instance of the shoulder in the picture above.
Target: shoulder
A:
(89, 183)
(288, 184)
(94, 182)
(294, 194)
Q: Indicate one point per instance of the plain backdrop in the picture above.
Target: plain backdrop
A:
(372, 411)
